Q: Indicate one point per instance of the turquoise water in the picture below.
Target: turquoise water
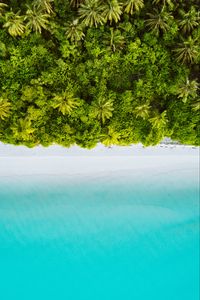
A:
(111, 236)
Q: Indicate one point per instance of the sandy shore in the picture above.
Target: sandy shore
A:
(56, 160)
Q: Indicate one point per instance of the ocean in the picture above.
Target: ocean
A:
(110, 236)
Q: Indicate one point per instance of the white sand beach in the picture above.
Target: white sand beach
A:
(56, 160)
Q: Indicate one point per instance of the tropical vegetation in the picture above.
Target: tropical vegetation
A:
(110, 71)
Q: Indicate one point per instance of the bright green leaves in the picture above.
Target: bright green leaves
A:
(130, 6)
(102, 109)
(15, 24)
(43, 5)
(74, 31)
(91, 13)
(111, 137)
(5, 108)
(112, 11)
(189, 20)
(188, 89)
(188, 51)
(158, 21)
(88, 71)
(159, 121)
(196, 105)
(23, 130)
(114, 40)
(36, 20)
(34, 94)
(142, 111)
(65, 102)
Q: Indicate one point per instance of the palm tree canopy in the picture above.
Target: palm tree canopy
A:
(37, 19)
(189, 20)
(130, 6)
(112, 11)
(102, 109)
(44, 5)
(188, 89)
(187, 52)
(5, 107)
(23, 130)
(91, 13)
(158, 21)
(14, 23)
(159, 121)
(142, 111)
(74, 31)
(111, 138)
(65, 102)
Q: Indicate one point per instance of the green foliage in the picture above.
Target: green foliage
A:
(36, 19)
(65, 102)
(187, 52)
(91, 13)
(5, 107)
(112, 11)
(74, 31)
(102, 109)
(130, 6)
(159, 21)
(2, 8)
(189, 20)
(44, 5)
(187, 89)
(142, 111)
(14, 23)
(86, 71)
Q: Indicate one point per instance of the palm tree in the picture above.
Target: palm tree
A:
(90, 13)
(102, 109)
(188, 89)
(37, 19)
(158, 21)
(65, 102)
(5, 107)
(23, 131)
(111, 138)
(190, 20)
(142, 111)
(187, 52)
(44, 5)
(159, 121)
(74, 31)
(112, 11)
(114, 39)
(133, 5)
(14, 23)
(2, 8)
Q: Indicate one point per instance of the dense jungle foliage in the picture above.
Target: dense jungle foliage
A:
(110, 71)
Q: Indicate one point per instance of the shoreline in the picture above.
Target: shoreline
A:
(7, 150)
(75, 161)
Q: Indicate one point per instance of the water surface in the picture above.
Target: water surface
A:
(110, 236)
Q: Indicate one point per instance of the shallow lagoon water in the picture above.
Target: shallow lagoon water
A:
(121, 235)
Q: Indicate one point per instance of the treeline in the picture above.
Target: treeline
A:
(88, 71)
